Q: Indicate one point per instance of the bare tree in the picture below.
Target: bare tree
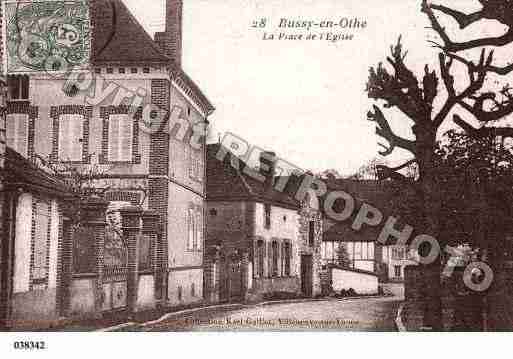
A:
(415, 96)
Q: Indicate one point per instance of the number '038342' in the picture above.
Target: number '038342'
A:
(29, 345)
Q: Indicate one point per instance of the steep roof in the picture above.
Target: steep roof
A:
(119, 38)
(378, 194)
(22, 173)
(225, 182)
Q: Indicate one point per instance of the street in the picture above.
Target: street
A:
(368, 314)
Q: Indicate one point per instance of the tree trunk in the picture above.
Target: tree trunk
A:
(431, 205)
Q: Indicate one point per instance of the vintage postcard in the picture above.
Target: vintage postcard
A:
(255, 166)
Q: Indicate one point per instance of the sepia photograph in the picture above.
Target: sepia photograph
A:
(255, 166)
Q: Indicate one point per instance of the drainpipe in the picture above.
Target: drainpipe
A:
(5, 239)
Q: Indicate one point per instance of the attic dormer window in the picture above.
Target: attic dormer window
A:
(110, 70)
(267, 216)
(71, 90)
(146, 70)
(133, 70)
(18, 87)
(122, 70)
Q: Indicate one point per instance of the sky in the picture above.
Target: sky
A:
(305, 100)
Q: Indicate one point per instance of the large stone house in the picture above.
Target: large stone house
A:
(260, 242)
(129, 117)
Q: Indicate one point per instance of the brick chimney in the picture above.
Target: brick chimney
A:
(268, 167)
(170, 41)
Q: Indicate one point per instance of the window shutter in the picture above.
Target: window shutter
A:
(199, 230)
(190, 220)
(42, 224)
(269, 259)
(191, 163)
(76, 145)
(126, 141)
(22, 134)
(71, 131)
(114, 137)
(64, 138)
(11, 131)
(17, 133)
(201, 165)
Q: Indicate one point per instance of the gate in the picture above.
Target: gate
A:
(115, 271)
(231, 288)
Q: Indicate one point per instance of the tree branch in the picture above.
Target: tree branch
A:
(490, 68)
(483, 131)
(463, 19)
(475, 84)
(383, 129)
(451, 46)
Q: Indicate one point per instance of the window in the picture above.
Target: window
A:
(397, 271)
(110, 70)
(199, 230)
(398, 253)
(71, 132)
(311, 233)
(18, 87)
(121, 132)
(358, 250)
(17, 133)
(267, 216)
(274, 269)
(179, 292)
(71, 90)
(195, 225)
(121, 70)
(287, 254)
(133, 70)
(196, 169)
(370, 250)
(190, 239)
(259, 255)
(41, 242)
(146, 70)
(193, 290)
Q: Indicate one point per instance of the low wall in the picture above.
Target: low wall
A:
(361, 282)
(82, 302)
(146, 292)
(34, 308)
(393, 288)
(263, 286)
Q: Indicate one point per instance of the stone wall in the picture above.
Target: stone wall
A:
(309, 214)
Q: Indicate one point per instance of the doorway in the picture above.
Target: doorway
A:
(306, 275)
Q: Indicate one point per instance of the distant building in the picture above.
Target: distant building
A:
(363, 251)
(260, 242)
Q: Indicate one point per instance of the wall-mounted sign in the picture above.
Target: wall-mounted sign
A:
(46, 36)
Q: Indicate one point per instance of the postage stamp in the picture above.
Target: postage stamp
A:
(46, 36)
(253, 166)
